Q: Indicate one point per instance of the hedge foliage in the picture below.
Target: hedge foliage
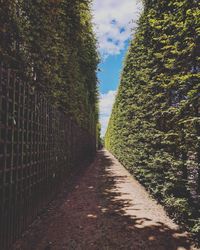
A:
(154, 129)
(52, 43)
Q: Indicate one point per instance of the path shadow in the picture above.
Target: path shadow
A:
(125, 231)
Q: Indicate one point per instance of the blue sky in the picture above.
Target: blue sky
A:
(110, 71)
(114, 22)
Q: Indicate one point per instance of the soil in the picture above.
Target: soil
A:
(104, 209)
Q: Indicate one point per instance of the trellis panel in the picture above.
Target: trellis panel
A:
(39, 146)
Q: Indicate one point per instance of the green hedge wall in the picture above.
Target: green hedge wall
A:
(154, 129)
(53, 44)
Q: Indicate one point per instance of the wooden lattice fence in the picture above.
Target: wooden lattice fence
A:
(39, 147)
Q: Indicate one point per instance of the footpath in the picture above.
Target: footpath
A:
(105, 209)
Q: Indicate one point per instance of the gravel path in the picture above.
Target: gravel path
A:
(105, 209)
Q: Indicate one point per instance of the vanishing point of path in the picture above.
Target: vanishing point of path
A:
(105, 209)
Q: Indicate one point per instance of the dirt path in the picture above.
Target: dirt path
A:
(107, 209)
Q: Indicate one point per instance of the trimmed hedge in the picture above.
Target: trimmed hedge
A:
(154, 129)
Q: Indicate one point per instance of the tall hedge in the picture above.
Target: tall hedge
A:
(154, 129)
(52, 43)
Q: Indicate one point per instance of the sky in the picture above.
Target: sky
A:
(114, 23)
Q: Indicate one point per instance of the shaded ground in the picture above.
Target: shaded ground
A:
(106, 209)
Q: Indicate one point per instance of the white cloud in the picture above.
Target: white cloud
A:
(114, 20)
(106, 103)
